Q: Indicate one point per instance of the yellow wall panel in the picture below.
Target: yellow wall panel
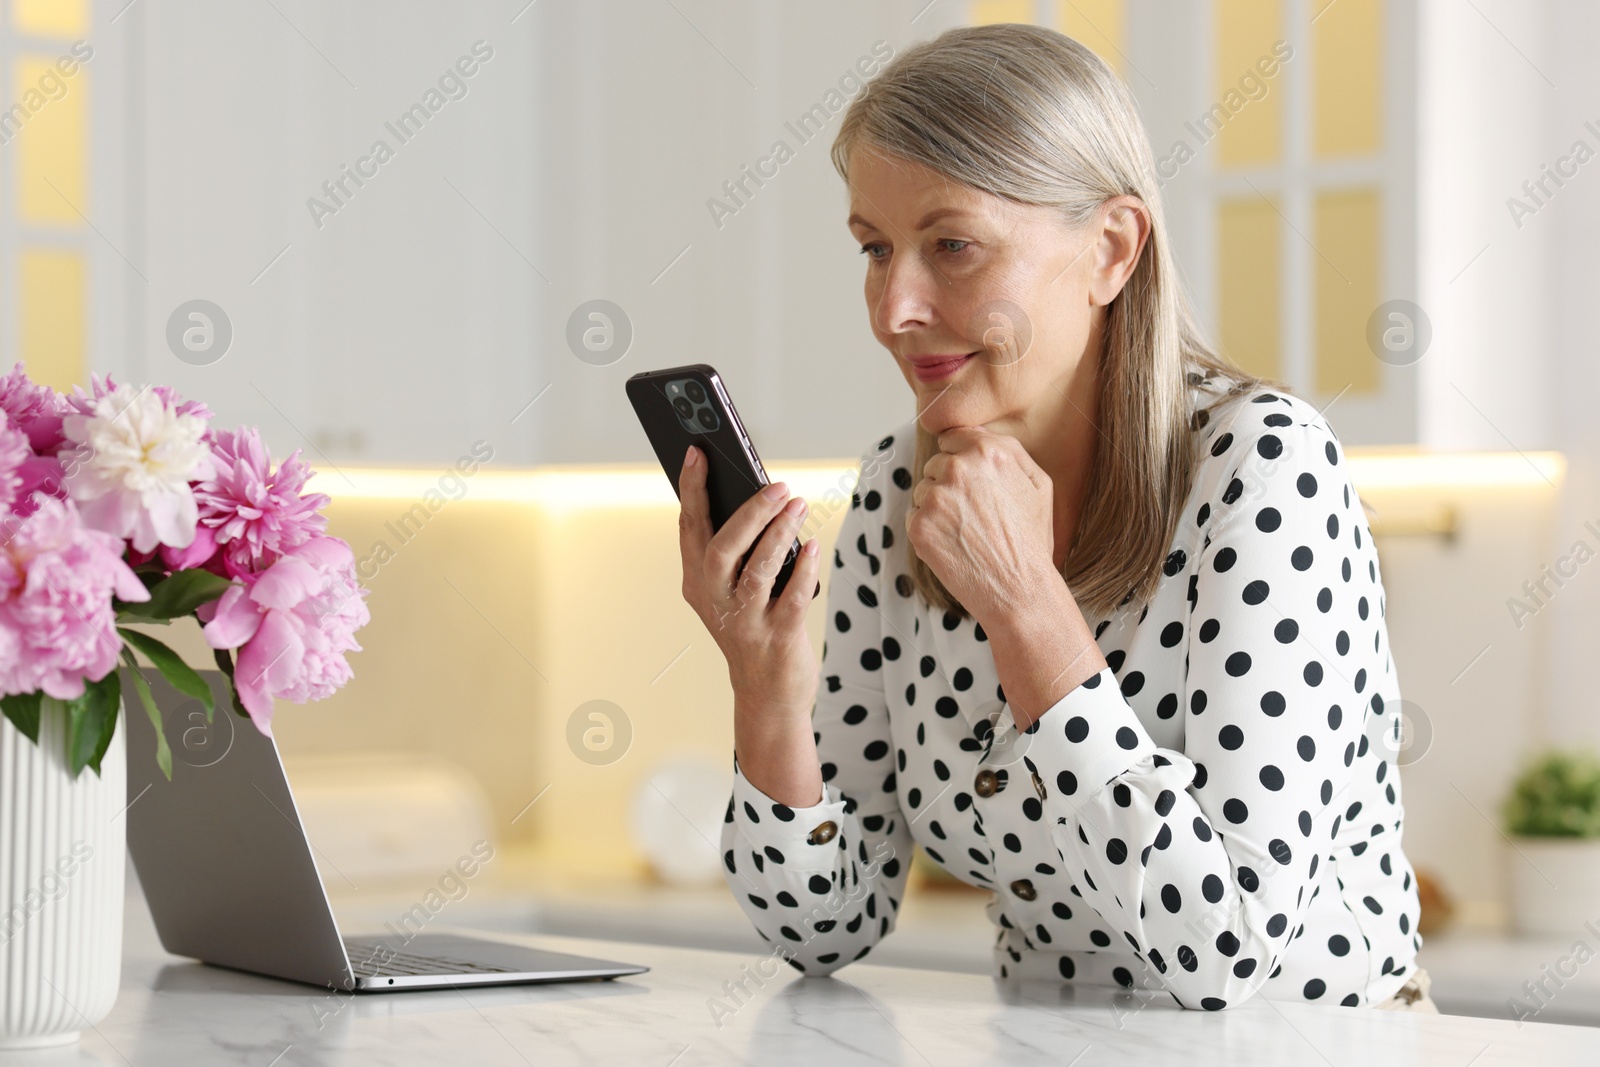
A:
(52, 309)
(1347, 231)
(51, 18)
(50, 144)
(1346, 77)
(1246, 114)
(1249, 280)
(1099, 24)
(987, 11)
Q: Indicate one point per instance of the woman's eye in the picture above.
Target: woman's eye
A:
(947, 243)
(872, 249)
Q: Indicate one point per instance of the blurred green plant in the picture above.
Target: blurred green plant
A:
(1556, 795)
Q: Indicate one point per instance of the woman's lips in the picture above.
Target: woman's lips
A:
(933, 368)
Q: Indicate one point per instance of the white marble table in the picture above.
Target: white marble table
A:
(174, 1011)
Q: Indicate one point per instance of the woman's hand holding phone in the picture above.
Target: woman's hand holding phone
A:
(763, 638)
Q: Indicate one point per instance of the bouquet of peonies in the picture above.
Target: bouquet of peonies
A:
(123, 505)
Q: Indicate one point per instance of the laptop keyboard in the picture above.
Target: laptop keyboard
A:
(370, 959)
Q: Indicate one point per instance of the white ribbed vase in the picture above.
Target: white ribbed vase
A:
(63, 849)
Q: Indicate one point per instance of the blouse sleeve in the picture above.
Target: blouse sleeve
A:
(825, 882)
(1206, 859)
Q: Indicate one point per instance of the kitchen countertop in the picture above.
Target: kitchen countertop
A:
(1475, 971)
(175, 1011)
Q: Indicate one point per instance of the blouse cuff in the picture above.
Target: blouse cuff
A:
(806, 839)
(1084, 740)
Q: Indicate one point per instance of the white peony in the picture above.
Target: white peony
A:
(129, 465)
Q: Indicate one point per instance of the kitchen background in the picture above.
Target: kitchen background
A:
(203, 202)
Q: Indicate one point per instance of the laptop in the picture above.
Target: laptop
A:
(231, 879)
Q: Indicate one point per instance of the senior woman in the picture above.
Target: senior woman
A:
(1105, 628)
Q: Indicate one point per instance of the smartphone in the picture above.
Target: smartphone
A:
(683, 406)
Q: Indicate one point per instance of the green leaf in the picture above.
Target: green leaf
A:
(178, 595)
(123, 618)
(111, 687)
(91, 720)
(182, 676)
(225, 665)
(23, 711)
(163, 750)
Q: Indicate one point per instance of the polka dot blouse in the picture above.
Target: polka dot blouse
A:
(1214, 815)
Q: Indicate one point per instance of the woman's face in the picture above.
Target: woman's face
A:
(988, 306)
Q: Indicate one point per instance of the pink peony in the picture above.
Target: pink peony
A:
(14, 454)
(35, 409)
(198, 554)
(57, 578)
(257, 515)
(292, 625)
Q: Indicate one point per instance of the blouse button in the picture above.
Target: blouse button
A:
(987, 784)
(1024, 889)
(824, 833)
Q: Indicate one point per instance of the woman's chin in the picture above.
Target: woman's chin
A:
(939, 416)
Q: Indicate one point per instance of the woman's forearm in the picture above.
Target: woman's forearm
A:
(1043, 650)
(777, 753)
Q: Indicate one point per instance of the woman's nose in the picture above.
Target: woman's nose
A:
(908, 297)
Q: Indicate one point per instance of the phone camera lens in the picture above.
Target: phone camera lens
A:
(708, 418)
(683, 407)
(695, 391)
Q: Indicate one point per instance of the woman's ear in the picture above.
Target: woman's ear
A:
(1124, 229)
